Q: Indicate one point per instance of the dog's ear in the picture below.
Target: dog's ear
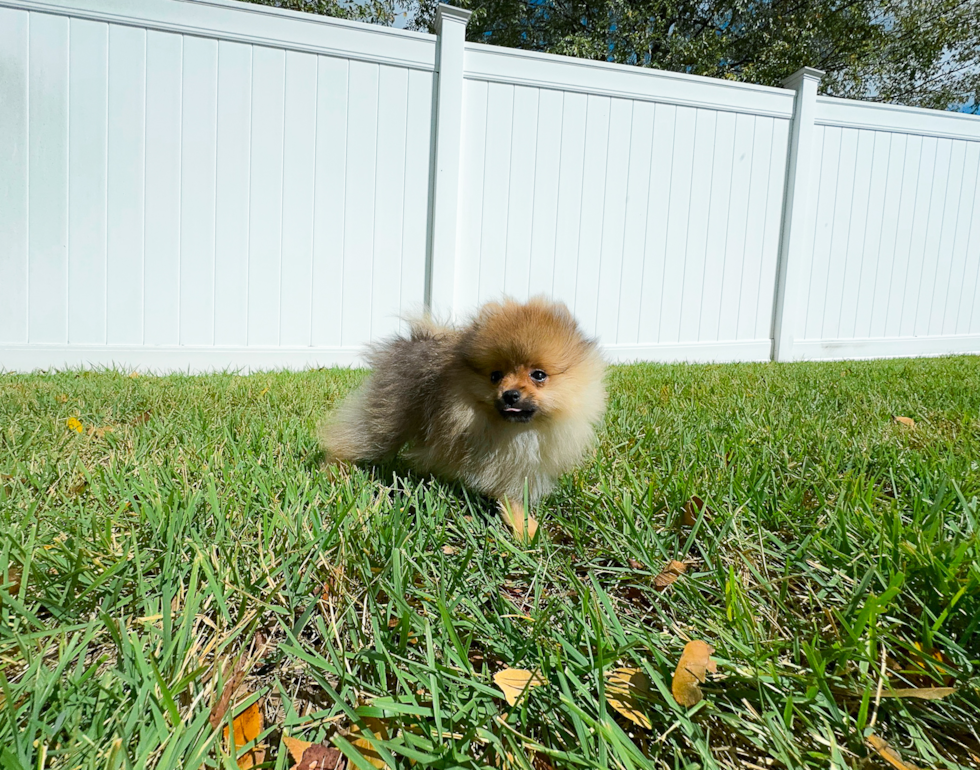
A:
(556, 306)
(486, 312)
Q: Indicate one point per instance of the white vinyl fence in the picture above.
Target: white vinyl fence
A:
(202, 184)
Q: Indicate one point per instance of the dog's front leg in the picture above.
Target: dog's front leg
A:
(518, 519)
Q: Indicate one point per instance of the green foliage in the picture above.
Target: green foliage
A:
(370, 11)
(188, 524)
(923, 53)
(915, 52)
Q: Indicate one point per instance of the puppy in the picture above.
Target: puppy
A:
(504, 404)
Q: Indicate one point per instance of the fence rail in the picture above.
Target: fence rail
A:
(202, 184)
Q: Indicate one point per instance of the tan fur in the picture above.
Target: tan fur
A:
(431, 396)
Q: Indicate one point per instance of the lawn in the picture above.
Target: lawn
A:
(171, 555)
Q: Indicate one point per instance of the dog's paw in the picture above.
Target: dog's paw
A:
(522, 524)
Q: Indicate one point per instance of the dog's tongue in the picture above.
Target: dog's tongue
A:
(513, 409)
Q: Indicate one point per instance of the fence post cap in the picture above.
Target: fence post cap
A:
(452, 13)
(803, 73)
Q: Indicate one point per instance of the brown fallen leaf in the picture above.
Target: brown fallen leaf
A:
(514, 682)
(888, 754)
(639, 566)
(448, 550)
(693, 509)
(15, 574)
(143, 418)
(247, 727)
(314, 756)
(670, 573)
(234, 674)
(626, 690)
(296, 747)
(923, 693)
(906, 421)
(692, 669)
(363, 745)
(100, 432)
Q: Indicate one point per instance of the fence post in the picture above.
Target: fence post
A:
(795, 237)
(447, 124)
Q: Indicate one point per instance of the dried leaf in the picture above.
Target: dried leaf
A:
(234, 675)
(692, 509)
(296, 747)
(74, 424)
(514, 682)
(143, 418)
(332, 585)
(670, 573)
(923, 693)
(61, 398)
(100, 432)
(448, 550)
(314, 756)
(626, 689)
(364, 746)
(889, 754)
(639, 566)
(691, 671)
(906, 421)
(247, 727)
(15, 574)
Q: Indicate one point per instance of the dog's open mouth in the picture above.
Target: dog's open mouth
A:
(517, 413)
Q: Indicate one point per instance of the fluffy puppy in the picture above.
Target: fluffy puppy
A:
(504, 404)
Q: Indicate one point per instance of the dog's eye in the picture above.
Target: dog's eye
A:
(538, 376)
(496, 377)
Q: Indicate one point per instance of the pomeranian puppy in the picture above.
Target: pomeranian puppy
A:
(504, 404)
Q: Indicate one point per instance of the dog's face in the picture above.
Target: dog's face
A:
(516, 396)
(530, 361)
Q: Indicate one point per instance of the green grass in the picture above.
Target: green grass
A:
(139, 564)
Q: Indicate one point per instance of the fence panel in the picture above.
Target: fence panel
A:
(198, 185)
(204, 186)
(896, 233)
(654, 216)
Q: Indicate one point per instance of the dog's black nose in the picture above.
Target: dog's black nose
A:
(511, 397)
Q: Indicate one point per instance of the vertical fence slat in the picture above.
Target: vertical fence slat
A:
(161, 277)
(298, 198)
(199, 129)
(87, 150)
(126, 185)
(619, 166)
(14, 188)
(48, 190)
(389, 229)
(233, 185)
(359, 210)
(265, 195)
(330, 200)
